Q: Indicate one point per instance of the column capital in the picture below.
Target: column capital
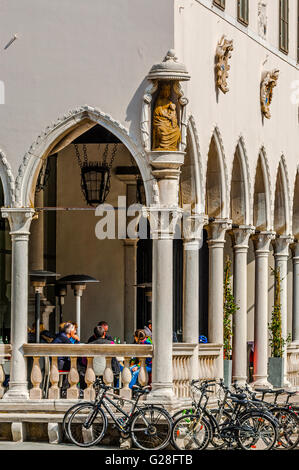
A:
(240, 236)
(262, 241)
(193, 229)
(162, 220)
(19, 219)
(217, 229)
(281, 245)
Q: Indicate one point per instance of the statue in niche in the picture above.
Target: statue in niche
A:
(166, 131)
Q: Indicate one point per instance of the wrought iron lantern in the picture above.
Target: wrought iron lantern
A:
(95, 176)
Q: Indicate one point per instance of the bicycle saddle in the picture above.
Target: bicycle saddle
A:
(239, 396)
(141, 390)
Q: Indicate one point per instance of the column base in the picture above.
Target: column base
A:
(239, 381)
(16, 392)
(260, 382)
(162, 394)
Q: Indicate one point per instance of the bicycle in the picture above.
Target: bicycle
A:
(244, 425)
(287, 417)
(149, 426)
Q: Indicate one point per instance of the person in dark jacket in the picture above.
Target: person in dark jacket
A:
(101, 338)
(105, 326)
(63, 337)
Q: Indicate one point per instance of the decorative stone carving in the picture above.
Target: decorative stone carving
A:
(262, 20)
(269, 81)
(223, 54)
(163, 116)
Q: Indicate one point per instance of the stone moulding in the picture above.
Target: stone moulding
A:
(45, 141)
(8, 180)
(269, 81)
(223, 54)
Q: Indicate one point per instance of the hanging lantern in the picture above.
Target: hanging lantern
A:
(43, 176)
(95, 176)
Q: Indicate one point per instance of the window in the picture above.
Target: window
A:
(243, 11)
(284, 25)
(219, 3)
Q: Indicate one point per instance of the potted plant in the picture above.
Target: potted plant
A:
(276, 341)
(229, 309)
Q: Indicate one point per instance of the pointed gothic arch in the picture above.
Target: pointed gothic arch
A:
(217, 194)
(282, 224)
(262, 219)
(240, 187)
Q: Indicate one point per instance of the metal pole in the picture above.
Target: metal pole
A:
(37, 316)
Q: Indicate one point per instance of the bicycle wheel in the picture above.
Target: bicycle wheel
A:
(67, 415)
(151, 428)
(223, 419)
(191, 432)
(257, 431)
(288, 434)
(87, 425)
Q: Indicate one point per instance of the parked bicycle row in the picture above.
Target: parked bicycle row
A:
(237, 419)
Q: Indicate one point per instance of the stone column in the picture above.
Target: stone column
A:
(295, 319)
(19, 220)
(192, 244)
(260, 370)
(130, 246)
(281, 254)
(162, 300)
(240, 239)
(216, 241)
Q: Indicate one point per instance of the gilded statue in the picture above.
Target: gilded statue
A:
(166, 131)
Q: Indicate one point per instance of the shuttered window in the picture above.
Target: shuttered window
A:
(284, 25)
(219, 3)
(243, 11)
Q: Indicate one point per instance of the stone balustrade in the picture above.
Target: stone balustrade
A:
(182, 356)
(50, 353)
(43, 367)
(207, 355)
(5, 353)
(293, 365)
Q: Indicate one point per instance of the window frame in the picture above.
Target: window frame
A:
(240, 6)
(219, 4)
(284, 40)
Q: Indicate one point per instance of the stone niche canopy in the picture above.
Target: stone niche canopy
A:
(163, 119)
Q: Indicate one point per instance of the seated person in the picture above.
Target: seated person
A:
(45, 335)
(64, 337)
(104, 325)
(140, 338)
(101, 338)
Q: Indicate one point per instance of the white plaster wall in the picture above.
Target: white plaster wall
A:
(73, 52)
(197, 31)
(79, 251)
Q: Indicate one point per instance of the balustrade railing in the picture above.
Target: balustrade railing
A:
(47, 382)
(5, 353)
(45, 375)
(293, 365)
